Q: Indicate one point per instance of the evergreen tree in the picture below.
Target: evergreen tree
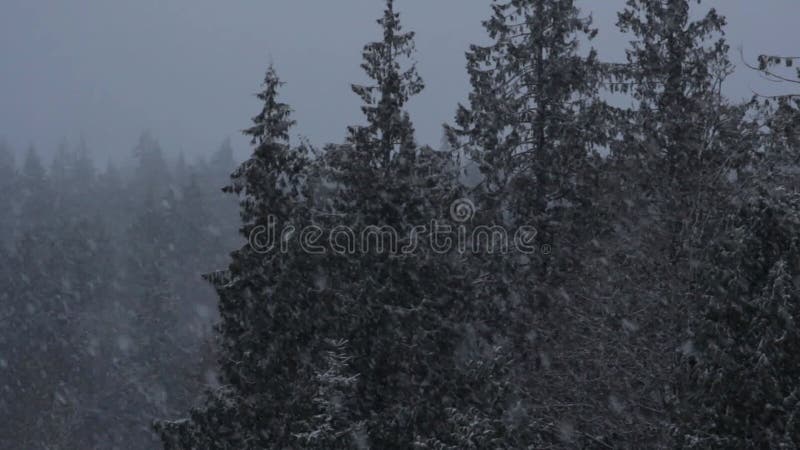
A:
(59, 281)
(404, 317)
(113, 198)
(279, 312)
(334, 426)
(8, 189)
(36, 199)
(534, 124)
(72, 176)
(690, 158)
(181, 170)
(155, 351)
(200, 246)
(222, 208)
(152, 174)
(675, 70)
(740, 363)
(59, 169)
(83, 177)
(222, 163)
(533, 117)
(389, 128)
(268, 314)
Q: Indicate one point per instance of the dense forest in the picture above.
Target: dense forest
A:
(653, 305)
(105, 324)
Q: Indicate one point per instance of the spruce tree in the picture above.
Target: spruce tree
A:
(383, 149)
(269, 313)
(389, 128)
(534, 124)
(406, 318)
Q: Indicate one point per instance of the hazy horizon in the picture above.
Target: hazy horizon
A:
(186, 72)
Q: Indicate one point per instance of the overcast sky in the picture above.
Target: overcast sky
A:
(185, 69)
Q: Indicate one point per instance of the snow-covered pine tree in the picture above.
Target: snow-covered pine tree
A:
(389, 128)
(415, 333)
(385, 147)
(333, 425)
(675, 70)
(534, 124)
(667, 180)
(271, 316)
(533, 118)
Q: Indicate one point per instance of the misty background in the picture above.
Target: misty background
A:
(186, 71)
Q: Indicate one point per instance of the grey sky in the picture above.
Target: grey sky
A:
(186, 69)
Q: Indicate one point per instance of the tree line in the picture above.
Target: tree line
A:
(664, 316)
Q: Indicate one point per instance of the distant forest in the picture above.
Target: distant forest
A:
(107, 324)
(658, 308)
